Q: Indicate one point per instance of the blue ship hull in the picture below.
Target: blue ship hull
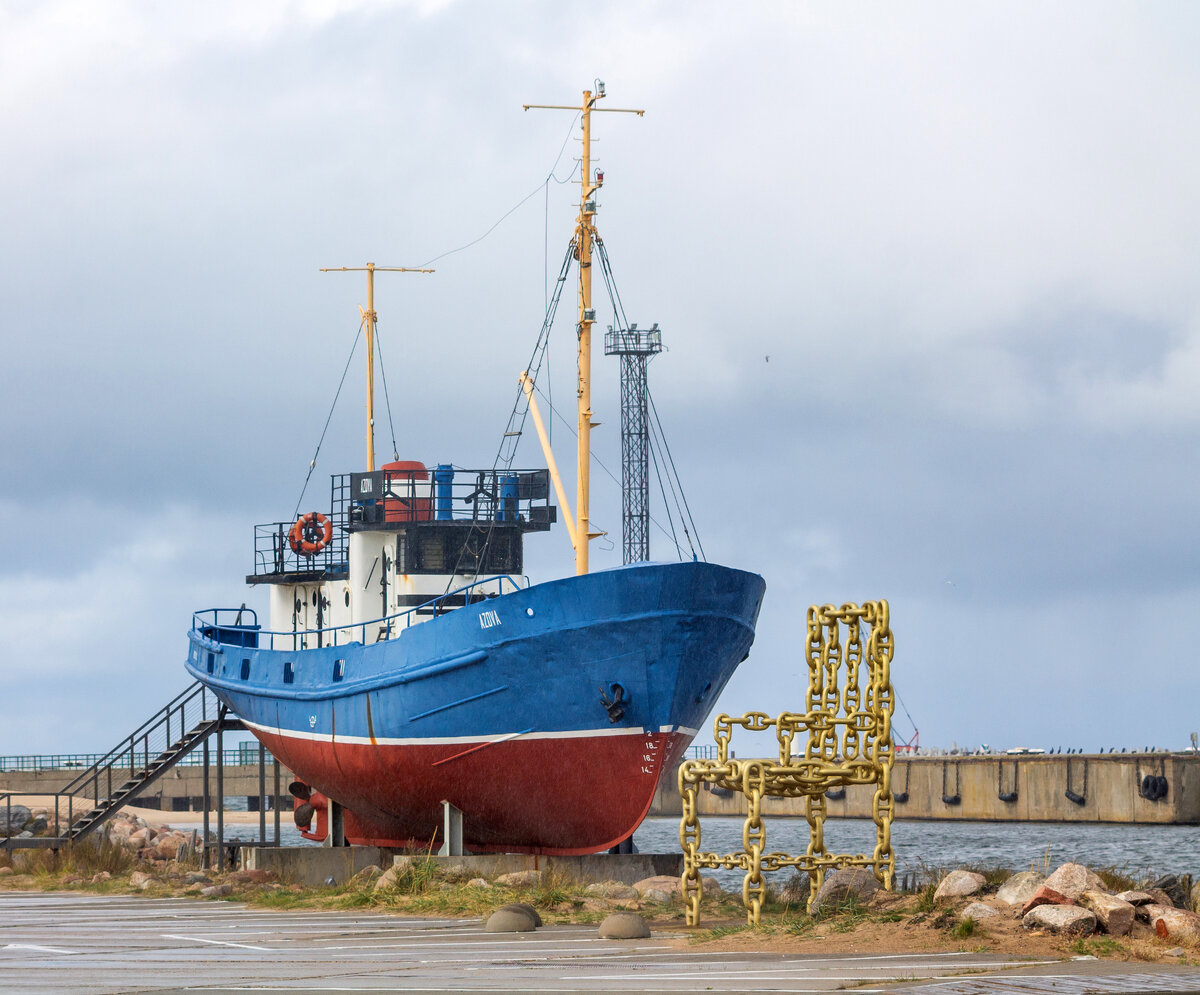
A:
(504, 707)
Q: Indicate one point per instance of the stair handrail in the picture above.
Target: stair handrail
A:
(160, 718)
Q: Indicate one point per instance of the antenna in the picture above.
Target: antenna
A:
(584, 239)
(369, 317)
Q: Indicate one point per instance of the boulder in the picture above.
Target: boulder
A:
(478, 883)
(1073, 880)
(167, 847)
(217, 890)
(712, 886)
(1174, 889)
(141, 880)
(1070, 920)
(13, 819)
(795, 889)
(1114, 916)
(521, 879)
(1174, 924)
(368, 875)
(1160, 897)
(101, 876)
(197, 878)
(612, 889)
(843, 886)
(956, 884)
(509, 920)
(529, 910)
(1021, 887)
(252, 876)
(623, 926)
(1045, 896)
(390, 878)
(660, 895)
(5, 870)
(978, 911)
(660, 882)
(1136, 897)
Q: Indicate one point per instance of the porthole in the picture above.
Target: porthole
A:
(289, 672)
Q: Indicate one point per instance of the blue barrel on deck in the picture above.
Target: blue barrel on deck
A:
(509, 498)
(443, 482)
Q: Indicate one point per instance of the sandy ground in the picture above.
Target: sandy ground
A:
(154, 816)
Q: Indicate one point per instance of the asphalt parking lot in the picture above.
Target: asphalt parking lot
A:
(55, 942)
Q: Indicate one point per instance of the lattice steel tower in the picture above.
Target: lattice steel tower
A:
(635, 347)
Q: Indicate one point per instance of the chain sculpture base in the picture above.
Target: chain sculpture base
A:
(848, 725)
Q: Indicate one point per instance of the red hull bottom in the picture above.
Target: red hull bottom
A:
(554, 795)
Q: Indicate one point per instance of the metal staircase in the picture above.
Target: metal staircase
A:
(133, 765)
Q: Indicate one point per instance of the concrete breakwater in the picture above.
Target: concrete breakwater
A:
(1106, 787)
(1097, 788)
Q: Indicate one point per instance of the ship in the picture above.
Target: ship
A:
(409, 669)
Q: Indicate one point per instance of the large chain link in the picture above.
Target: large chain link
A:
(848, 742)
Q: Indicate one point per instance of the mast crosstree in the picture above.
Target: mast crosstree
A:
(369, 317)
(584, 241)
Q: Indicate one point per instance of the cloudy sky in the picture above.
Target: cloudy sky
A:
(966, 236)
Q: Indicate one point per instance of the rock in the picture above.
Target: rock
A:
(39, 824)
(659, 895)
(478, 883)
(367, 875)
(217, 890)
(1174, 952)
(1174, 889)
(1136, 897)
(624, 926)
(712, 886)
(101, 876)
(1114, 916)
(1160, 897)
(1073, 880)
(141, 838)
(253, 876)
(1021, 887)
(401, 867)
(509, 921)
(5, 870)
(72, 879)
(529, 910)
(1174, 924)
(660, 882)
(956, 884)
(521, 879)
(1070, 920)
(1195, 897)
(141, 880)
(13, 818)
(843, 886)
(197, 878)
(167, 847)
(978, 911)
(612, 889)
(1045, 896)
(795, 890)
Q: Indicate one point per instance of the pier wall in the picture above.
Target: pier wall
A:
(178, 790)
(1107, 783)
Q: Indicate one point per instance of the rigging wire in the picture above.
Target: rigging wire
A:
(675, 474)
(313, 462)
(387, 400)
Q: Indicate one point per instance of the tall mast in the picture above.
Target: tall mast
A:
(585, 235)
(369, 318)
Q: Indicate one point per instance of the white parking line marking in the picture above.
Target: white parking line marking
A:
(219, 943)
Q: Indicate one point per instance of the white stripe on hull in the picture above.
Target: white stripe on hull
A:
(323, 737)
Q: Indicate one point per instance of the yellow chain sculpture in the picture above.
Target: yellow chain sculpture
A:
(848, 723)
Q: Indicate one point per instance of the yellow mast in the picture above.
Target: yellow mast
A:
(585, 235)
(369, 317)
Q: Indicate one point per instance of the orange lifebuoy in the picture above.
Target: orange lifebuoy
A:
(310, 534)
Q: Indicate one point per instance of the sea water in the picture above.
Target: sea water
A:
(920, 847)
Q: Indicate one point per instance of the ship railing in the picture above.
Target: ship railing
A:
(214, 624)
(244, 755)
